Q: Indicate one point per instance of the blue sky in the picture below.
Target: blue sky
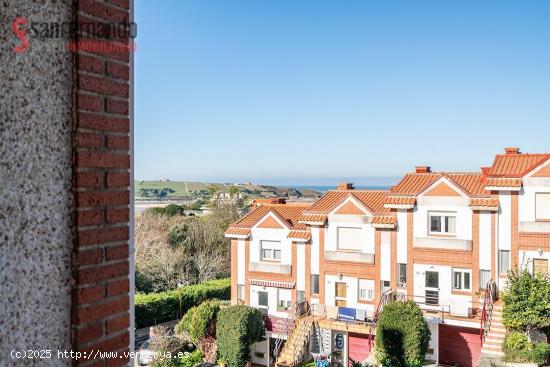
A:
(314, 92)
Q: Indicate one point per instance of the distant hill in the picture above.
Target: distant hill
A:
(165, 189)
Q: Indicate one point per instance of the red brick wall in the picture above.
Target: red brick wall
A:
(101, 297)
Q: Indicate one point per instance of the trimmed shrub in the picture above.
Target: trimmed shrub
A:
(200, 324)
(155, 308)
(402, 335)
(238, 327)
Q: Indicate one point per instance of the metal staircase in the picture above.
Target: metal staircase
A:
(292, 343)
(491, 331)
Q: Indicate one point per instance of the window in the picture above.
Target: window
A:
(340, 292)
(349, 239)
(240, 292)
(542, 206)
(284, 305)
(442, 223)
(432, 279)
(401, 275)
(270, 250)
(263, 299)
(504, 261)
(315, 284)
(385, 285)
(540, 266)
(301, 295)
(484, 278)
(462, 280)
(366, 291)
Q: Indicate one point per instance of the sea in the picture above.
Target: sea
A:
(327, 188)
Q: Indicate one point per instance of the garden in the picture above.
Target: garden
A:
(526, 316)
(212, 333)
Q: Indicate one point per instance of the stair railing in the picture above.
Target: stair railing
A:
(489, 297)
(295, 311)
(386, 297)
(303, 335)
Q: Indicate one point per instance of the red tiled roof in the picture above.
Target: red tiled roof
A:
(288, 212)
(313, 218)
(372, 199)
(415, 183)
(516, 165)
(235, 231)
(400, 200)
(299, 235)
(384, 219)
(484, 202)
(503, 182)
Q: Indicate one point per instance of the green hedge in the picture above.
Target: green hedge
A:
(238, 327)
(155, 308)
(518, 349)
(402, 335)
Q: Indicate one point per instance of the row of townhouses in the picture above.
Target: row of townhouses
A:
(321, 272)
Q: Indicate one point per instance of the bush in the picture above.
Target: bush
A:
(238, 327)
(526, 301)
(191, 359)
(536, 353)
(155, 308)
(199, 321)
(402, 335)
(169, 210)
(516, 341)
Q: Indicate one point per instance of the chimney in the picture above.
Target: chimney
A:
(512, 150)
(423, 169)
(345, 186)
(485, 171)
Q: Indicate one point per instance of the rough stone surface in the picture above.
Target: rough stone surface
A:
(35, 182)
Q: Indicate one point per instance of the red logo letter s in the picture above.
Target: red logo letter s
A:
(21, 34)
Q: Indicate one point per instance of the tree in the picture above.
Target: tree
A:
(526, 301)
(237, 329)
(233, 191)
(200, 325)
(402, 335)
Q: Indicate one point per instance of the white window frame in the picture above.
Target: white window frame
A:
(366, 293)
(263, 306)
(273, 247)
(444, 230)
(399, 283)
(462, 277)
(353, 248)
(500, 262)
(542, 218)
(241, 292)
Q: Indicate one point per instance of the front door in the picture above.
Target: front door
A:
(432, 288)
(340, 292)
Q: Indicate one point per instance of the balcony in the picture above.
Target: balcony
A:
(443, 243)
(265, 267)
(351, 256)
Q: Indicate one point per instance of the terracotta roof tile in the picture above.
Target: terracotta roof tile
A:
(372, 199)
(384, 219)
(400, 200)
(235, 231)
(489, 203)
(415, 183)
(299, 235)
(516, 165)
(503, 182)
(313, 218)
(289, 212)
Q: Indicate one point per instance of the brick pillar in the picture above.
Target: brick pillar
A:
(102, 178)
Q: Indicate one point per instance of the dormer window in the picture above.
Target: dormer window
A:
(442, 223)
(270, 250)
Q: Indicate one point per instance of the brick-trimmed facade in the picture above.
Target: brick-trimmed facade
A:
(101, 316)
